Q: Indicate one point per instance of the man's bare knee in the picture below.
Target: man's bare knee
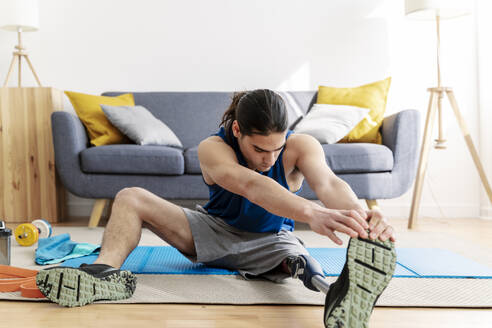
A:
(139, 200)
(130, 193)
(129, 199)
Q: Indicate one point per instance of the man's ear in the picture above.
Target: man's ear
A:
(235, 129)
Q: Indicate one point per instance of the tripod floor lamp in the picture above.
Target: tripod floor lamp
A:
(430, 10)
(19, 16)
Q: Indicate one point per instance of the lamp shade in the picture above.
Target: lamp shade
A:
(15, 14)
(429, 9)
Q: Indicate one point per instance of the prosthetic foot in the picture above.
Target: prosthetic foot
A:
(307, 269)
(80, 286)
(368, 270)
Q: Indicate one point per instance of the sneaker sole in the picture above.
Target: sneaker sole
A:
(72, 287)
(371, 264)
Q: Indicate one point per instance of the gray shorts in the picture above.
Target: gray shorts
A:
(253, 254)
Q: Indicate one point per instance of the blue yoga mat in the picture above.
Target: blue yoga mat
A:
(412, 263)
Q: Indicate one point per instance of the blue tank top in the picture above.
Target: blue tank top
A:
(238, 211)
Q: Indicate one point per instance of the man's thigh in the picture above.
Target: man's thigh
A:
(165, 219)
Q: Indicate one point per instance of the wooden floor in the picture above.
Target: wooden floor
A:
(30, 314)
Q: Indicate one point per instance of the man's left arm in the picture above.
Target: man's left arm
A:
(332, 191)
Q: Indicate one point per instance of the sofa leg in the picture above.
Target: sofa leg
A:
(372, 204)
(97, 210)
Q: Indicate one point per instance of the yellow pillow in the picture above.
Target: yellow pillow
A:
(372, 96)
(87, 107)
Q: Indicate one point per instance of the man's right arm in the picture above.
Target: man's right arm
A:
(219, 162)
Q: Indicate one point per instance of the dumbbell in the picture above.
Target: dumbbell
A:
(28, 234)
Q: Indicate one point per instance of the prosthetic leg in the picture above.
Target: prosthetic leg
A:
(307, 269)
(350, 300)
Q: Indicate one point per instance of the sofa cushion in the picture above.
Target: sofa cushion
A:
(341, 158)
(373, 96)
(192, 164)
(358, 158)
(330, 123)
(88, 109)
(138, 124)
(132, 159)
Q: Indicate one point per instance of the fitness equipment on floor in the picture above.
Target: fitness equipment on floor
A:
(27, 234)
(5, 234)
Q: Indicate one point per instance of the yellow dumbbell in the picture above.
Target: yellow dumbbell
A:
(27, 234)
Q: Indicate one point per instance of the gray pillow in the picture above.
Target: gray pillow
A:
(138, 124)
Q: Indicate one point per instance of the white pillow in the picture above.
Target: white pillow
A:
(138, 124)
(330, 123)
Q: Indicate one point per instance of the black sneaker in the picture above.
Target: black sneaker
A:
(90, 282)
(367, 272)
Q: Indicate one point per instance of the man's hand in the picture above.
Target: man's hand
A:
(379, 227)
(351, 222)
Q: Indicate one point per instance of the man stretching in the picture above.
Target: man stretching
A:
(254, 167)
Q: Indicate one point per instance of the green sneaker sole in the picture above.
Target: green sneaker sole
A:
(73, 287)
(370, 265)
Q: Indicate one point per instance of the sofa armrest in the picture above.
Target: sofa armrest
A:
(401, 134)
(69, 139)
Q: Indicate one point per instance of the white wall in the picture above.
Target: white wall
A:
(451, 187)
(223, 45)
(484, 65)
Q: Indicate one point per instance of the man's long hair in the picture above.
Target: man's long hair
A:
(260, 111)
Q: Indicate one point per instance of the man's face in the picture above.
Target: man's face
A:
(260, 152)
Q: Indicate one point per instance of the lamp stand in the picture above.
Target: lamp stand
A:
(435, 99)
(17, 57)
(438, 93)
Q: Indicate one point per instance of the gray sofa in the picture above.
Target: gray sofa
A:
(373, 171)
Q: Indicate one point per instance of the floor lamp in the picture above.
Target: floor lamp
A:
(437, 10)
(19, 16)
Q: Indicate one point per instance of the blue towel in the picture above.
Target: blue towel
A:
(59, 248)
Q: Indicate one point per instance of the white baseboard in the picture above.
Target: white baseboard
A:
(486, 212)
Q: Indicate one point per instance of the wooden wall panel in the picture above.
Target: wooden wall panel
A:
(28, 179)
